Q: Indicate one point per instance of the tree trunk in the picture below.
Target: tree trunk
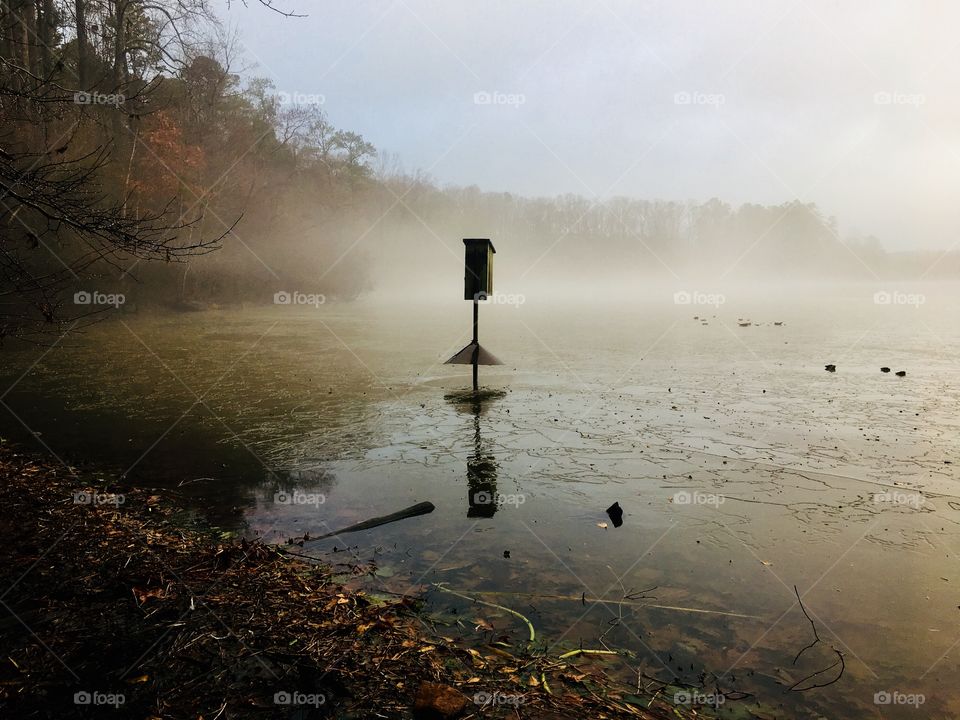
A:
(18, 38)
(6, 31)
(45, 28)
(81, 12)
(119, 45)
(29, 21)
(119, 75)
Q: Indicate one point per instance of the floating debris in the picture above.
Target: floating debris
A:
(615, 513)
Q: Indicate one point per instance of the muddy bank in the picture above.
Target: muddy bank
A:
(112, 606)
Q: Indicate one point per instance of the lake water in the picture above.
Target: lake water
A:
(743, 469)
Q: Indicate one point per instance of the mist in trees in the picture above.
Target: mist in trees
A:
(128, 146)
(564, 243)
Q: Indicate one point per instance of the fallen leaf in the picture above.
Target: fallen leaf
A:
(143, 594)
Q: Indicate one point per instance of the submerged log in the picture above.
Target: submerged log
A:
(421, 508)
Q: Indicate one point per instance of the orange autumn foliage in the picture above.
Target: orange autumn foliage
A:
(165, 166)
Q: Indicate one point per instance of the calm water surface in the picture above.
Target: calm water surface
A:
(742, 467)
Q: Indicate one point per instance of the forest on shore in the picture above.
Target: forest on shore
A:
(138, 158)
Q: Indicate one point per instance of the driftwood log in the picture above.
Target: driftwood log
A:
(421, 508)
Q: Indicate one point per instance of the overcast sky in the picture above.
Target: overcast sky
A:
(851, 105)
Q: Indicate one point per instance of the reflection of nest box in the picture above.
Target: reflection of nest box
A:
(477, 285)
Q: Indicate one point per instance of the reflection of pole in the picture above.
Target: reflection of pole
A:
(476, 428)
(482, 497)
(476, 342)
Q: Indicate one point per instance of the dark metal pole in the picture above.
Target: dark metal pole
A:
(476, 342)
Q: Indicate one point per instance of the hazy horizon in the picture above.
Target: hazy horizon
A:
(844, 107)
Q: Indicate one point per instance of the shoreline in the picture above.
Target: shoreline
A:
(111, 608)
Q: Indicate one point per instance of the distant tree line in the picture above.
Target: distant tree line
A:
(570, 237)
